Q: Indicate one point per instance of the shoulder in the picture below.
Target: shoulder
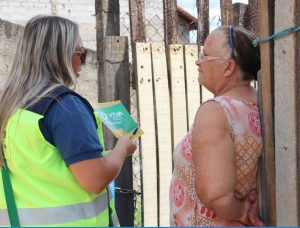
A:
(210, 120)
(210, 111)
(70, 106)
(59, 97)
(70, 100)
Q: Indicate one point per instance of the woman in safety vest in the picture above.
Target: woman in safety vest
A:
(53, 169)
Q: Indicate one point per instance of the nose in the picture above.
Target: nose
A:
(199, 61)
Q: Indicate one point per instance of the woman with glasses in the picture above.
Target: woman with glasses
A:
(215, 164)
(51, 140)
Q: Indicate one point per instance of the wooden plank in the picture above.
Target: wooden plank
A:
(192, 84)
(239, 10)
(178, 95)
(286, 139)
(148, 142)
(266, 104)
(226, 12)
(252, 17)
(117, 81)
(116, 70)
(113, 52)
(107, 24)
(137, 21)
(107, 16)
(203, 21)
(163, 123)
(170, 22)
(297, 19)
(137, 29)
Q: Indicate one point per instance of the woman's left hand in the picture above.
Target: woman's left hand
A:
(251, 216)
(253, 211)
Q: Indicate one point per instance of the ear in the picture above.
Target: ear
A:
(230, 68)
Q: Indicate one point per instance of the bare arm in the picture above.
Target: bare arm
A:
(214, 159)
(95, 174)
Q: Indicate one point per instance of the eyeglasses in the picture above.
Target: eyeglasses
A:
(203, 57)
(231, 42)
(82, 53)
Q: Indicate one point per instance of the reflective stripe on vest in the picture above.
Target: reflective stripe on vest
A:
(61, 214)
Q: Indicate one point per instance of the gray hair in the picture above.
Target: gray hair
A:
(42, 62)
(247, 56)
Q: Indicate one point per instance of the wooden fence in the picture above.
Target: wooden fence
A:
(164, 102)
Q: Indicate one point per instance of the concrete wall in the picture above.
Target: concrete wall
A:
(183, 31)
(82, 12)
(9, 36)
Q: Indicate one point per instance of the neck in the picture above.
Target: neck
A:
(232, 87)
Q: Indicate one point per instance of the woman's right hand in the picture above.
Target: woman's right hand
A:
(125, 142)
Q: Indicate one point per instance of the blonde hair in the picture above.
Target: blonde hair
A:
(42, 62)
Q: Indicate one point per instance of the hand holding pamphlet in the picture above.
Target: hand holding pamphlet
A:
(115, 117)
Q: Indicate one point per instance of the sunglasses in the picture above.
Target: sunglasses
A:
(82, 54)
(231, 42)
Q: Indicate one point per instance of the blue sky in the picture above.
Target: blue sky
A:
(214, 9)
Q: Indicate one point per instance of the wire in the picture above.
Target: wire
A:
(126, 191)
(276, 35)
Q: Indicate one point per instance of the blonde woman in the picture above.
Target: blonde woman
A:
(50, 138)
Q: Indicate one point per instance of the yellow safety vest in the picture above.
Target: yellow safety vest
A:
(46, 193)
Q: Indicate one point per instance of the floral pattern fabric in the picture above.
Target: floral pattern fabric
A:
(185, 207)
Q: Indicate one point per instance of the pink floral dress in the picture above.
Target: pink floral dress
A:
(185, 207)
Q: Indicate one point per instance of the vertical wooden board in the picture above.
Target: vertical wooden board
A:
(116, 87)
(107, 24)
(171, 21)
(162, 103)
(286, 140)
(226, 12)
(148, 144)
(203, 20)
(178, 96)
(266, 103)
(192, 84)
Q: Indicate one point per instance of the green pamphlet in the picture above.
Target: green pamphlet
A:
(116, 118)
